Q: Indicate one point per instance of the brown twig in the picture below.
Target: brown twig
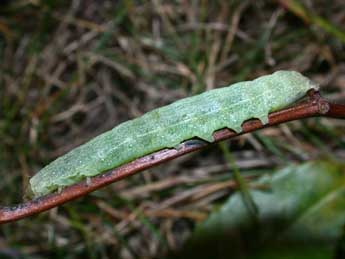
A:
(315, 106)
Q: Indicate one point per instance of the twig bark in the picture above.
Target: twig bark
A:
(315, 106)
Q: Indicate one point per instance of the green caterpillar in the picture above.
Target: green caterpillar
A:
(166, 127)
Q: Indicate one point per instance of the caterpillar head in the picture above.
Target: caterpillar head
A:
(287, 87)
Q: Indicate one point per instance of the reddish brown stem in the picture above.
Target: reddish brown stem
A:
(316, 106)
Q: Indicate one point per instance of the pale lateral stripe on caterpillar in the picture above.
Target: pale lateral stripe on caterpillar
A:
(166, 127)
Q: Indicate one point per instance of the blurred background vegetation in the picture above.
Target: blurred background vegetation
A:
(70, 70)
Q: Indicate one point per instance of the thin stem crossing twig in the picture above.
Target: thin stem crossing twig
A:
(241, 182)
(315, 106)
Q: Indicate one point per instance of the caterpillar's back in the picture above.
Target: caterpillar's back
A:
(166, 127)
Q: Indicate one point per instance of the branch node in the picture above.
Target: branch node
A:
(323, 106)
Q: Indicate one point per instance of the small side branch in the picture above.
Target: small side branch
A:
(315, 106)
